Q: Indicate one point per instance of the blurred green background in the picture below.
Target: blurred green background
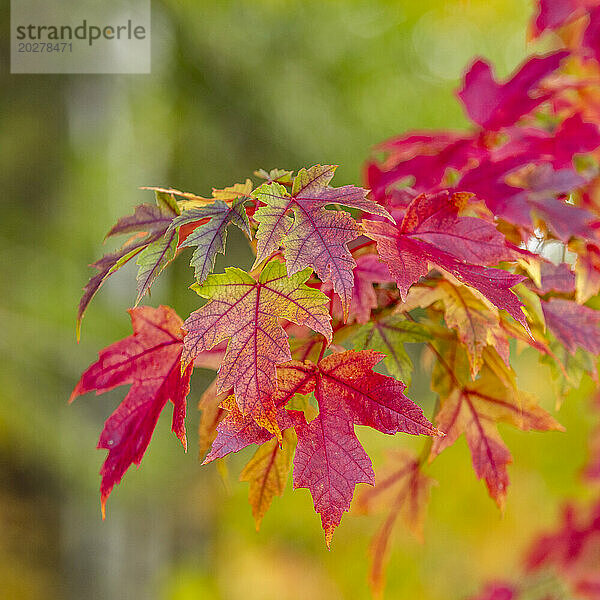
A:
(234, 86)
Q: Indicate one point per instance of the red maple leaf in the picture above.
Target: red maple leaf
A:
(424, 157)
(433, 232)
(150, 242)
(573, 551)
(572, 136)
(552, 14)
(474, 408)
(575, 326)
(149, 360)
(494, 105)
(538, 188)
(329, 459)
(246, 312)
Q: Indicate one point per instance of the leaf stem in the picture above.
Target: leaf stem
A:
(323, 347)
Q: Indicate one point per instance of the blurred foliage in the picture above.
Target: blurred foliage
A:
(234, 86)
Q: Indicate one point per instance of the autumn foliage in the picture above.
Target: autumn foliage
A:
(469, 244)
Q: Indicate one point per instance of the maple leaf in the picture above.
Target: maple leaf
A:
(477, 324)
(474, 408)
(565, 220)
(572, 550)
(329, 459)
(267, 473)
(433, 232)
(536, 188)
(436, 219)
(552, 14)
(246, 312)
(388, 336)
(148, 218)
(209, 231)
(492, 105)
(575, 326)
(150, 360)
(530, 144)
(314, 237)
(152, 243)
(426, 157)
(403, 490)
(540, 165)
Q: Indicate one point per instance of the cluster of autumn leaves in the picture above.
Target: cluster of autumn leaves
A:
(470, 244)
(258, 375)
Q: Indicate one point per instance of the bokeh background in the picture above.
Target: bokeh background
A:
(235, 85)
